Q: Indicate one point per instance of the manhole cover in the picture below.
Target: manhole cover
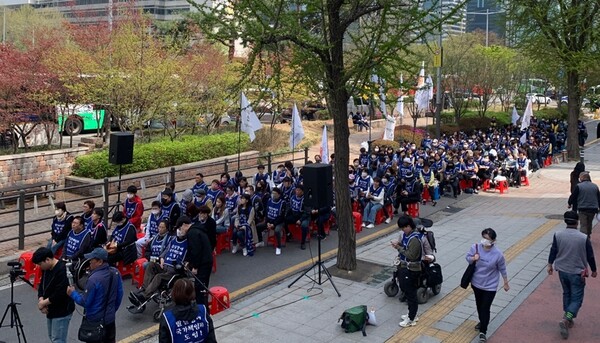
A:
(452, 209)
(370, 273)
(555, 216)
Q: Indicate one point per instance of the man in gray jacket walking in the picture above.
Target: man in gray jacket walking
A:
(585, 200)
(570, 255)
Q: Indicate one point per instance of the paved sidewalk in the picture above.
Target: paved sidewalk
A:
(525, 220)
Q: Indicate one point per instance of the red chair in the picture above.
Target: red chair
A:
(223, 241)
(548, 161)
(524, 180)
(486, 185)
(426, 196)
(357, 218)
(214, 267)
(37, 278)
(502, 186)
(296, 231)
(355, 206)
(26, 260)
(58, 253)
(218, 299)
(125, 270)
(379, 217)
(413, 210)
(463, 184)
(138, 272)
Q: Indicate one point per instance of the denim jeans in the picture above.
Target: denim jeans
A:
(573, 286)
(58, 328)
(371, 211)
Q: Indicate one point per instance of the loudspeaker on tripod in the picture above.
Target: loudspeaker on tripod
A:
(318, 185)
(120, 150)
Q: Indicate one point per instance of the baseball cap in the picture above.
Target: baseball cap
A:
(98, 253)
(200, 191)
(406, 160)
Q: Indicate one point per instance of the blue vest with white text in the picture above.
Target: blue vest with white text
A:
(184, 331)
(177, 251)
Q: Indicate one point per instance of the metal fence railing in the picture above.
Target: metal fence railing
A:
(31, 213)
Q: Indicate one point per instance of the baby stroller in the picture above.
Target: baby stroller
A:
(162, 296)
(431, 275)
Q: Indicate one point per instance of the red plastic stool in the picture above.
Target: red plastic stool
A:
(379, 217)
(463, 184)
(214, 267)
(223, 241)
(413, 209)
(502, 186)
(37, 279)
(59, 252)
(355, 206)
(26, 260)
(272, 240)
(296, 231)
(218, 299)
(125, 270)
(357, 217)
(486, 185)
(524, 181)
(426, 196)
(548, 161)
(138, 272)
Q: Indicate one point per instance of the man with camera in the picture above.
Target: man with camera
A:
(52, 299)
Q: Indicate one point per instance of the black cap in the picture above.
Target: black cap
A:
(167, 192)
(118, 216)
(571, 216)
(183, 220)
(132, 189)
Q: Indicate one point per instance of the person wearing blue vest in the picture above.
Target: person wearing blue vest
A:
(170, 208)
(214, 191)
(98, 233)
(88, 209)
(298, 215)
(187, 322)
(151, 229)
(61, 225)
(201, 198)
(164, 268)
(287, 189)
(375, 196)
(410, 252)
(159, 243)
(450, 177)
(187, 198)
(78, 241)
(427, 178)
(199, 184)
(261, 176)
(244, 228)
(389, 186)
(363, 182)
(121, 246)
(231, 201)
(275, 217)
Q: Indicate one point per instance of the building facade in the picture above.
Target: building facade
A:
(487, 16)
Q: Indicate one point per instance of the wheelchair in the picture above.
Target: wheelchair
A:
(162, 297)
(431, 272)
(79, 270)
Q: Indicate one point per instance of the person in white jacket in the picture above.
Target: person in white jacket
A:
(374, 197)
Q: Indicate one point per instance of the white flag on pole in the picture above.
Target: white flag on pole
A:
(297, 132)
(250, 122)
(390, 126)
(515, 116)
(324, 146)
(527, 114)
(523, 138)
(429, 84)
(382, 98)
(400, 101)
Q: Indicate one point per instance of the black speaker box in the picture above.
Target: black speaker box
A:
(120, 150)
(318, 185)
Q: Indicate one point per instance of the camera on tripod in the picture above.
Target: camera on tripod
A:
(16, 269)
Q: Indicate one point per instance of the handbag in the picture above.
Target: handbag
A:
(94, 331)
(468, 274)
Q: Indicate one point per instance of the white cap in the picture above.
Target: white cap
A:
(406, 160)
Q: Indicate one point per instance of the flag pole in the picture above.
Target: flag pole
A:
(240, 133)
(293, 134)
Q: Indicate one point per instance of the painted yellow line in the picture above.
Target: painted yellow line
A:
(153, 330)
(465, 332)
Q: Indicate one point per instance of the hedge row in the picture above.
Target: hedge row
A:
(160, 154)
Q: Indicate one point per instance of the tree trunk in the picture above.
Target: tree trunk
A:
(573, 114)
(338, 100)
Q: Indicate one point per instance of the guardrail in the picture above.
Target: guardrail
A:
(33, 213)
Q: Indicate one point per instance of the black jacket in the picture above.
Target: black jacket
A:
(209, 227)
(54, 287)
(199, 252)
(184, 312)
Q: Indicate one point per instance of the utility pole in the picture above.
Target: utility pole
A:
(438, 91)
(4, 26)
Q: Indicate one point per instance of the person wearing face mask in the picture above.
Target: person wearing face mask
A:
(133, 208)
(363, 183)
(169, 207)
(164, 268)
(121, 246)
(375, 196)
(490, 265)
(60, 228)
(199, 258)
(151, 228)
(187, 198)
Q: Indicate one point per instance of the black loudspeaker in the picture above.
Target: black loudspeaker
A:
(318, 185)
(120, 150)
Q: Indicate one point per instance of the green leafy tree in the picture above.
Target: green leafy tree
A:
(337, 44)
(562, 33)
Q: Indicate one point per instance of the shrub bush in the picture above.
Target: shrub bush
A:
(160, 154)
(474, 123)
(406, 132)
(385, 143)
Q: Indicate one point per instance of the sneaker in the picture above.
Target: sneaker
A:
(478, 326)
(407, 322)
(405, 317)
(475, 191)
(260, 244)
(389, 220)
(277, 251)
(303, 246)
(245, 252)
(564, 328)
(234, 249)
(370, 226)
(364, 224)
(434, 203)
(482, 338)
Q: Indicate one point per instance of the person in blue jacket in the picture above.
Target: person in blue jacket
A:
(104, 281)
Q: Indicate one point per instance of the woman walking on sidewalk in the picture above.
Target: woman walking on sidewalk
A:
(490, 263)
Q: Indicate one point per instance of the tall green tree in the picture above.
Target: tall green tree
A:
(563, 32)
(338, 44)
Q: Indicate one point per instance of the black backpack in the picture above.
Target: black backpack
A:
(434, 274)
(430, 239)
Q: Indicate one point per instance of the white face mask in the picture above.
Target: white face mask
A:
(364, 174)
(155, 212)
(486, 242)
(180, 233)
(129, 195)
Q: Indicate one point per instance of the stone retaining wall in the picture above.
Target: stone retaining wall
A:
(210, 168)
(34, 167)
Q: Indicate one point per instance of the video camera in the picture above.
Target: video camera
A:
(16, 269)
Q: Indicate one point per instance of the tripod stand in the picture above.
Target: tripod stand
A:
(15, 319)
(321, 268)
